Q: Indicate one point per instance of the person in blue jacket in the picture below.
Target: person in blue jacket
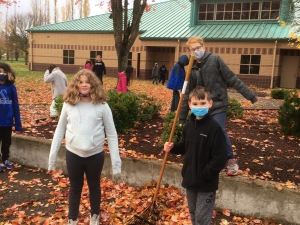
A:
(176, 80)
(9, 112)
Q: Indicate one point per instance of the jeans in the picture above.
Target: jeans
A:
(92, 167)
(5, 138)
(175, 101)
(221, 119)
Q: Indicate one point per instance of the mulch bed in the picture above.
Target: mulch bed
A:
(262, 151)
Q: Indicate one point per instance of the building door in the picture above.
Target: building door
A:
(289, 71)
(138, 61)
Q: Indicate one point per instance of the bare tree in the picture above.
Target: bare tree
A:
(86, 8)
(55, 11)
(38, 13)
(47, 11)
(126, 27)
(80, 8)
(68, 10)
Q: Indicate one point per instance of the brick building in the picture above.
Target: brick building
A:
(246, 34)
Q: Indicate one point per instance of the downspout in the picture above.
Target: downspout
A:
(31, 48)
(273, 66)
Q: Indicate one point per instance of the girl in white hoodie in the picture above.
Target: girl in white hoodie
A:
(85, 120)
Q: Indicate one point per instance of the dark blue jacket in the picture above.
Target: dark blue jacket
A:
(176, 80)
(9, 107)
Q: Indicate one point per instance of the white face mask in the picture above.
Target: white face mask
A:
(198, 54)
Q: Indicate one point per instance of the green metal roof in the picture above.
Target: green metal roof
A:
(171, 20)
(258, 30)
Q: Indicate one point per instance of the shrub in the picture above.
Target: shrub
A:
(168, 123)
(279, 93)
(124, 107)
(235, 110)
(58, 104)
(289, 114)
(149, 107)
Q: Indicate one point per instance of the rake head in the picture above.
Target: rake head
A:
(148, 216)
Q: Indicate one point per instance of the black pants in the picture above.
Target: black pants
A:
(100, 76)
(162, 79)
(92, 167)
(5, 138)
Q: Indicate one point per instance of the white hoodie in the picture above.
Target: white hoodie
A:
(84, 126)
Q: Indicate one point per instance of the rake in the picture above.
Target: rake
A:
(150, 214)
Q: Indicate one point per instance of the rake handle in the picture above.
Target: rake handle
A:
(173, 126)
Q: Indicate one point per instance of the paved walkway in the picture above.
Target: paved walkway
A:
(262, 103)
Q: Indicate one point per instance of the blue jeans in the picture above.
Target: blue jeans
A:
(221, 119)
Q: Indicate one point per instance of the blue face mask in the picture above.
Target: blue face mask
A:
(3, 76)
(199, 112)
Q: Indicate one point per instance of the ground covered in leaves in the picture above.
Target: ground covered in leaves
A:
(30, 196)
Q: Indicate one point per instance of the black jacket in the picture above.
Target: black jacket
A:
(214, 75)
(204, 147)
(99, 68)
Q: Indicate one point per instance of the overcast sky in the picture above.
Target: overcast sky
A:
(25, 6)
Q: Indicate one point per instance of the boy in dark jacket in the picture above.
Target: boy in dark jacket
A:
(99, 68)
(203, 144)
(211, 72)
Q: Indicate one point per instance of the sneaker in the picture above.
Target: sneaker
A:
(233, 167)
(94, 220)
(7, 164)
(73, 222)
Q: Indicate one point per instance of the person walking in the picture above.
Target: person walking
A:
(59, 83)
(86, 121)
(210, 71)
(204, 148)
(88, 65)
(176, 80)
(124, 80)
(99, 68)
(155, 74)
(162, 73)
(9, 113)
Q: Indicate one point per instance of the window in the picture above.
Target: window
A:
(250, 64)
(129, 63)
(68, 56)
(93, 55)
(239, 11)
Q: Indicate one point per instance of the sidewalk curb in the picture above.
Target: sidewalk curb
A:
(241, 195)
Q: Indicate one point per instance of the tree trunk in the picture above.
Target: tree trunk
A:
(125, 29)
(26, 58)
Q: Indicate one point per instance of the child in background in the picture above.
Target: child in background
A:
(176, 80)
(59, 83)
(124, 79)
(99, 68)
(204, 146)
(88, 65)
(85, 121)
(9, 112)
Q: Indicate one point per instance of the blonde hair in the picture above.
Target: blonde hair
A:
(97, 92)
(193, 40)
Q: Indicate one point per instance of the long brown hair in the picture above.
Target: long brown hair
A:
(97, 92)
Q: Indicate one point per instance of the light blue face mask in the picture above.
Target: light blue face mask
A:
(3, 76)
(198, 54)
(199, 112)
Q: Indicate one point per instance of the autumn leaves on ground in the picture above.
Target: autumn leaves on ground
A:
(43, 199)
